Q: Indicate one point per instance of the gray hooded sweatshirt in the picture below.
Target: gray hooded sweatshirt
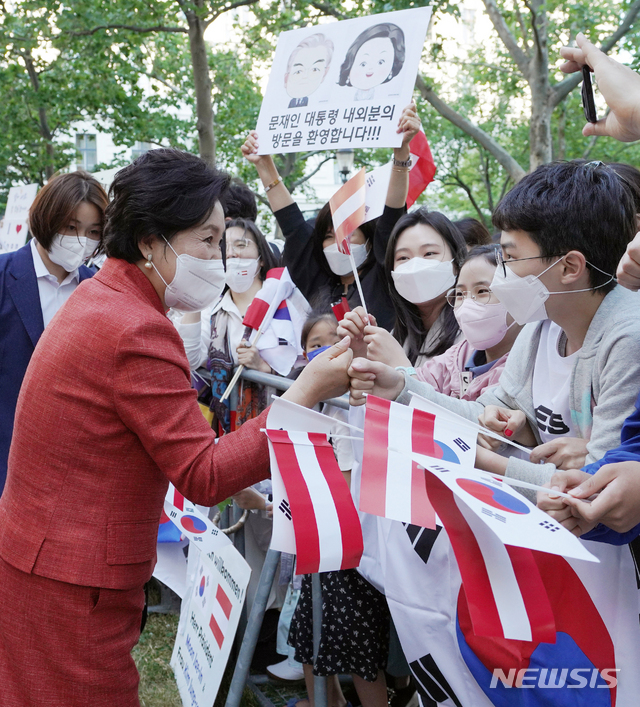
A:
(604, 384)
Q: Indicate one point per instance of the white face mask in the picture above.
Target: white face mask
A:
(421, 280)
(196, 284)
(524, 297)
(241, 273)
(69, 252)
(340, 263)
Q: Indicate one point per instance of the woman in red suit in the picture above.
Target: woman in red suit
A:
(105, 419)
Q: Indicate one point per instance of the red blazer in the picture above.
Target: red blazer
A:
(105, 418)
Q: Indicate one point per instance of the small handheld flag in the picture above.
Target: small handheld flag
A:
(348, 212)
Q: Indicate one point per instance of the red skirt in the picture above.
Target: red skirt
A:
(63, 645)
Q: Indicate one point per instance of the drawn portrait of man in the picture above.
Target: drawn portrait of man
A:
(307, 67)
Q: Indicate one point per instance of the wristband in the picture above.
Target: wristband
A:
(402, 163)
(409, 370)
(274, 183)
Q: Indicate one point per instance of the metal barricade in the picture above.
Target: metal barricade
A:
(254, 622)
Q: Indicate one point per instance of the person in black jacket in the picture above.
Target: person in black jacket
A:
(321, 273)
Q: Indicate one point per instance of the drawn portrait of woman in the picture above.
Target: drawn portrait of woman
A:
(375, 57)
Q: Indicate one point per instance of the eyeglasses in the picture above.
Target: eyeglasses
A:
(239, 246)
(502, 262)
(480, 294)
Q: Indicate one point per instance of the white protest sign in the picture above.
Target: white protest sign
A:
(19, 202)
(509, 515)
(342, 84)
(13, 235)
(211, 606)
(14, 227)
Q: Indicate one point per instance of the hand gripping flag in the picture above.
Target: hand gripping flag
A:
(326, 525)
(348, 209)
(277, 315)
(423, 168)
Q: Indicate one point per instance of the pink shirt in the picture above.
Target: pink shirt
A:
(447, 374)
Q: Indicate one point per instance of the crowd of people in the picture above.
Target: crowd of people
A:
(537, 337)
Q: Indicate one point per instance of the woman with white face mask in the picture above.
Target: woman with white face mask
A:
(219, 343)
(65, 221)
(422, 261)
(489, 331)
(323, 274)
(106, 419)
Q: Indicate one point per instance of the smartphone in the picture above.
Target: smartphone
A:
(588, 102)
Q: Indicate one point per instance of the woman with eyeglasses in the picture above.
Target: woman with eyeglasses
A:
(219, 342)
(489, 331)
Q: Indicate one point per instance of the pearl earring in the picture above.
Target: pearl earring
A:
(148, 264)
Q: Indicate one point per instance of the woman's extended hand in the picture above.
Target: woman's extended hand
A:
(558, 508)
(618, 502)
(324, 377)
(409, 124)
(373, 377)
(250, 149)
(511, 424)
(564, 453)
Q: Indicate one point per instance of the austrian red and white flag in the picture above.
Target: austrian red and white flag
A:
(318, 501)
(502, 584)
(220, 615)
(423, 168)
(348, 209)
(392, 484)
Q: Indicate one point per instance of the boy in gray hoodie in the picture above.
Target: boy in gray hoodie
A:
(574, 371)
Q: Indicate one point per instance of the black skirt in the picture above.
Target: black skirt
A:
(354, 638)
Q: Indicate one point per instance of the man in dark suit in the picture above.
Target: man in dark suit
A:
(22, 326)
(35, 280)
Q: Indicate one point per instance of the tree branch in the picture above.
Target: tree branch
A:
(509, 41)
(227, 8)
(521, 22)
(129, 28)
(561, 90)
(457, 182)
(329, 10)
(534, 27)
(313, 172)
(513, 169)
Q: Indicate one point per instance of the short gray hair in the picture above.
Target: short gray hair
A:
(314, 40)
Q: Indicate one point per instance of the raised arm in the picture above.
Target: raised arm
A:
(619, 85)
(277, 192)
(409, 125)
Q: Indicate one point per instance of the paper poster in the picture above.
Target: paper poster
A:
(14, 227)
(342, 84)
(13, 235)
(214, 595)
